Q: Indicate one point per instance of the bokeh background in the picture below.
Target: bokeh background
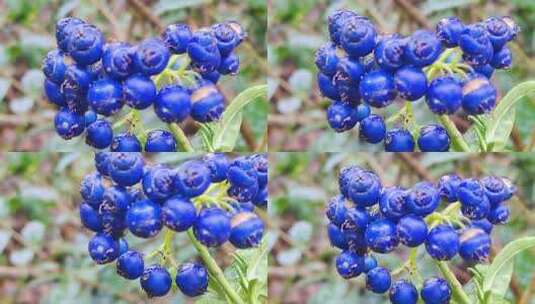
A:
(297, 28)
(302, 260)
(27, 29)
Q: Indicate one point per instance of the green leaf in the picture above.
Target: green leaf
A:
(228, 129)
(500, 123)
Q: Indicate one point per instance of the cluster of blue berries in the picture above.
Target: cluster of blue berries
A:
(361, 68)
(213, 196)
(368, 218)
(90, 80)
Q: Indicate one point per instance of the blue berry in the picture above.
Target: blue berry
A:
(483, 224)
(212, 77)
(115, 200)
(389, 52)
(75, 86)
(403, 292)
(126, 169)
(90, 117)
(212, 227)
(442, 242)
(341, 116)
(177, 37)
(410, 82)
(378, 89)
(204, 52)
(130, 265)
(105, 96)
(470, 192)
(103, 248)
(476, 45)
(349, 73)
(144, 219)
(423, 48)
(261, 197)
(369, 263)
(336, 210)
(192, 178)
(139, 91)
(449, 30)
(475, 246)
(479, 96)
(411, 230)
(364, 188)
(363, 111)
(69, 124)
(349, 264)
(208, 104)
(90, 218)
(54, 94)
(125, 142)
(230, 65)
(448, 186)
(178, 213)
(118, 60)
(498, 31)
(486, 70)
(345, 177)
(156, 281)
(478, 211)
(358, 37)
(261, 165)
(54, 66)
(514, 29)
(436, 291)
(381, 236)
(99, 134)
(356, 220)
(336, 21)
(444, 95)
(372, 129)
(399, 140)
(356, 242)
(173, 104)
(102, 163)
(158, 183)
(327, 88)
(92, 189)
(123, 246)
(433, 138)
(85, 44)
(218, 164)
(423, 198)
(378, 280)
(502, 59)
(228, 35)
(246, 231)
(337, 237)
(327, 59)
(160, 141)
(64, 30)
(499, 215)
(393, 202)
(243, 178)
(151, 56)
(192, 279)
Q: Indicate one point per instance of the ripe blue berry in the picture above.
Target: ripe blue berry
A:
(369, 263)
(85, 44)
(144, 218)
(496, 190)
(399, 140)
(156, 281)
(356, 220)
(327, 88)
(470, 192)
(381, 236)
(364, 188)
(327, 59)
(90, 117)
(433, 138)
(475, 246)
(192, 178)
(102, 163)
(69, 124)
(349, 73)
(372, 129)
(444, 95)
(403, 292)
(345, 177)
(126, 169)
(54, 94)
(498, 32)
(448, 186)
(192, 279)
(436, 291)
(151, 56)
(218, 164)
(54, 66)
(230, 65)
(389, 52)
(130, 265)
(411, 230)
(92, 189)
(178, 213)
(393, 202)
(336, 210)
(486, 70)
(479, 96)
(90, 218)
(139, 92)
(483, 224)
(158, 183)
(74, 88)
(336, 21)
(423, 48)
(64, 29)
(261, 197)
(423, 198)
(123, 246)
(125, 142)
(378, 89)
(378, 280)
(363, 111)
(337, 237)
(442, 242)
(177, 37)
(229, 35)
(115, 200)
(356, 242)
(514, 29)
(208, 104)
(411, 83)
(341, 116)
(243, 178)
(173, 104)
(261, 165)
(449, 30)
(103, 248)
(118, 59)
(478, 211)
(358, 37)
(349, 264)
(246, 231)
(476, 45)
(204, 52)
(160, 141)
(105, 96)
(99, 134)
(212, 227)
(499, 215)
(502, 59)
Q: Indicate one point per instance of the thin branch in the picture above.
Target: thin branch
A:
(414, 13)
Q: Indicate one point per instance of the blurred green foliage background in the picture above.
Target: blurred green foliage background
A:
(302, 260)
(297, 28)
(27, 29)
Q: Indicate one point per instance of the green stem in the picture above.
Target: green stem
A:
(457, 288)
(456, 137)
(181, 137)
(214, 269)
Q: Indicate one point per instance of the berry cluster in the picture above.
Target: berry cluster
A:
(369, 217)
(90, 79)
(361, 68)
(213, 198)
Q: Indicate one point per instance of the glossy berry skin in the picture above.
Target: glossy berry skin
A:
(144, 219)
(130, 265)
(158, 182)
(99, 134)
(363, 111)
(326, 87)
(173, 104)
(261, 197)
(139, 91)
(423, 48)
(53, 93)
(178, 214)
(341, 116)
(115, 200)
(442, 243)
(86, 43)
(192, 178)
(448, 186)
(105, 96)
(90, 218)
(479, 96)
(364, 188)
(358, 37)
(337, 237)
(69, 124)
(372, 129)
(433, 138)
(118, 60)
(228, 35)
(410, 82)
(356, 220)
(204, 52)
(381, 236)
(486, 70)
(90, 117)
(218, 164)
(435, 291)
(399, 140)
(123, 246)
(243, 178)
(103, 248)
(378, 280)
(160, 141)
(423, 199)
(349, 73)
(475, 246)
(336, 21)
(151, 56)
(499, 215)
(444, 95)
(393, 202)
(156, 281)
(502, 59)
(346, 175)
(378, 89)
(476, 45)
(349, 264)
(326, 59)
(336, 210)
(54, 66)
(192, 279)
(212, 227)
(64, 29)
(126, 169)
(102, 163)
(208, 104)
(212, 77)
(478, 211)
(230, 65)
(483, 224)
(498, 31)
(403, 292)
(260, 163)
(389, 52)
(246, 230)
(369, 263)
(470, 192)
(125, 142)
(411, 230)
(74, 88)
(92, 189)
(177, 37)
(449, 30)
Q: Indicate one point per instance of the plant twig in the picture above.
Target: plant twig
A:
(456, 136)
(414, 13)
(181, 137)
(457, 288)
(145, 12)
